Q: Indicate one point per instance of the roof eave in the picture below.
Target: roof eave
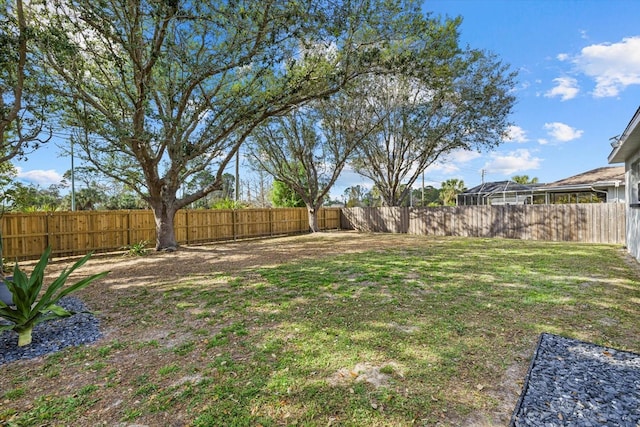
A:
(629, 142)
(588, 186)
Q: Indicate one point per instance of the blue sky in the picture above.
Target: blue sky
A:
(578, 85)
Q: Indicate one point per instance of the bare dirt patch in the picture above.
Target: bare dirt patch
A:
(364, 372)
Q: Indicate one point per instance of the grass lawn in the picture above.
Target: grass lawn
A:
(331, 329)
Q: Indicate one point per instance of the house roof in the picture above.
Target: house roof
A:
(628, 143)
(499, 187)
(600, 177)
(606, 176)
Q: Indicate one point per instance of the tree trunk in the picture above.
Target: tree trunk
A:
(313, 220)
(165, 231)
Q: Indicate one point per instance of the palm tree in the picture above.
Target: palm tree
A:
(449, 191)
(524, 179)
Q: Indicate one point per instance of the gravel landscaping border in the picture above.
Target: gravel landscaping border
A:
(54, 335)
(575, 383)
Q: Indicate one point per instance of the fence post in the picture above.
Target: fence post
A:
(48, 236)
(234, 224)
(270, 222)
(128, 228)
(186, 220)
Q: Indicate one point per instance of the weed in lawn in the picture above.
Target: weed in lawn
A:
(387, 370)
(96, 366)
(185, 305)
(52, 372)
(146, 389)
(217, 341)
(104, 351)
(149, 344)
(14, 394)
(118, 345)
(168, 369)
(184, 348)
(131, 414)
(237, 328)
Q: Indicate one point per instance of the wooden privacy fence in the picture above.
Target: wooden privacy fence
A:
(26, 235)
(588, 222)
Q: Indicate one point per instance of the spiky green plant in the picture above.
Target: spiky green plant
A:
(29, 307)
(137, 249)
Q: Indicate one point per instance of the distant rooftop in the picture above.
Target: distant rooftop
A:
(499, 187)
(601, 175)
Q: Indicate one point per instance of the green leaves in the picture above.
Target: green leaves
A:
(30, 308)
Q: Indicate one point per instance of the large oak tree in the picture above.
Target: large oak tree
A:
(451, 98)
(164, 89)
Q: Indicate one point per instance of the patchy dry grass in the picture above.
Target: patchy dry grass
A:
(331, 329)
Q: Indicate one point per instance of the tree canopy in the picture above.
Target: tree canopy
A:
(449, 191)
(283, 196)
(23, 83)
(524, 179)
(308, 148)
(164, 90)
(450, 99)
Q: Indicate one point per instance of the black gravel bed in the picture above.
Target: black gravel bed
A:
(54, 335)
(574, 383)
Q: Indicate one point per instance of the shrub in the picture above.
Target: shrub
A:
(29, 310)
(137, 249)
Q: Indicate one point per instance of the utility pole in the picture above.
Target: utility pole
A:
(73, 179)
(483, 173)
(422, 189)
(238, 175)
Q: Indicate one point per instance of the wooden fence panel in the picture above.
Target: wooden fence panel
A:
(589, 223)
(141, 227)
(329, 219)
(252, 223)
(383, 220)
(201, 226)
(26, 235)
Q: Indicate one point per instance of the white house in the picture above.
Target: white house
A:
(626, 149)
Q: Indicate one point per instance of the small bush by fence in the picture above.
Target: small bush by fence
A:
(589, 222)
(26, 235)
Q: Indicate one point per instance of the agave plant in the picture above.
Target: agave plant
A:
(29, 307)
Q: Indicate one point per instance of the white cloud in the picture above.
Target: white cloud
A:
(39, 176)
(451, 164)
(562, 57)
(512, 162)
(613, 66)
(562, 132)
(463, 156)
(516, 134)
(445, 168)
(566, 88)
